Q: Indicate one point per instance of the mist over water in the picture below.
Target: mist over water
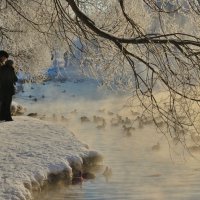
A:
(144, 163)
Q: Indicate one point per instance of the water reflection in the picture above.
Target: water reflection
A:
(137, 172)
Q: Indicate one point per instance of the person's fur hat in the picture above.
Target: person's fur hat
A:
(4, 53)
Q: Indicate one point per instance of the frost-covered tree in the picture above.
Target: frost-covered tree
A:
(20, 38)
(151, 47)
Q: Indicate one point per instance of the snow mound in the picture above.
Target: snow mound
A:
(17, 109)
(33, 152)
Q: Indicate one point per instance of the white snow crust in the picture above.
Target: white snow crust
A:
(31, 150)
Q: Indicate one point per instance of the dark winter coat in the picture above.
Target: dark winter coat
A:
(8, 79)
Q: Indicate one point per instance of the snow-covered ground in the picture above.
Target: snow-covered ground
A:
(32, 150)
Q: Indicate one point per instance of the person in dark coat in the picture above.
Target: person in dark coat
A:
(3, 57)
(8, 79)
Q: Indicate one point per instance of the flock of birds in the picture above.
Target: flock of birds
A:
(104, 119)
(127, 124)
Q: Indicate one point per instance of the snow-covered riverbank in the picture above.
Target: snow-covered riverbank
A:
(31, 150)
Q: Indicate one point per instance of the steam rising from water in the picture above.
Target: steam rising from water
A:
(83, 107)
